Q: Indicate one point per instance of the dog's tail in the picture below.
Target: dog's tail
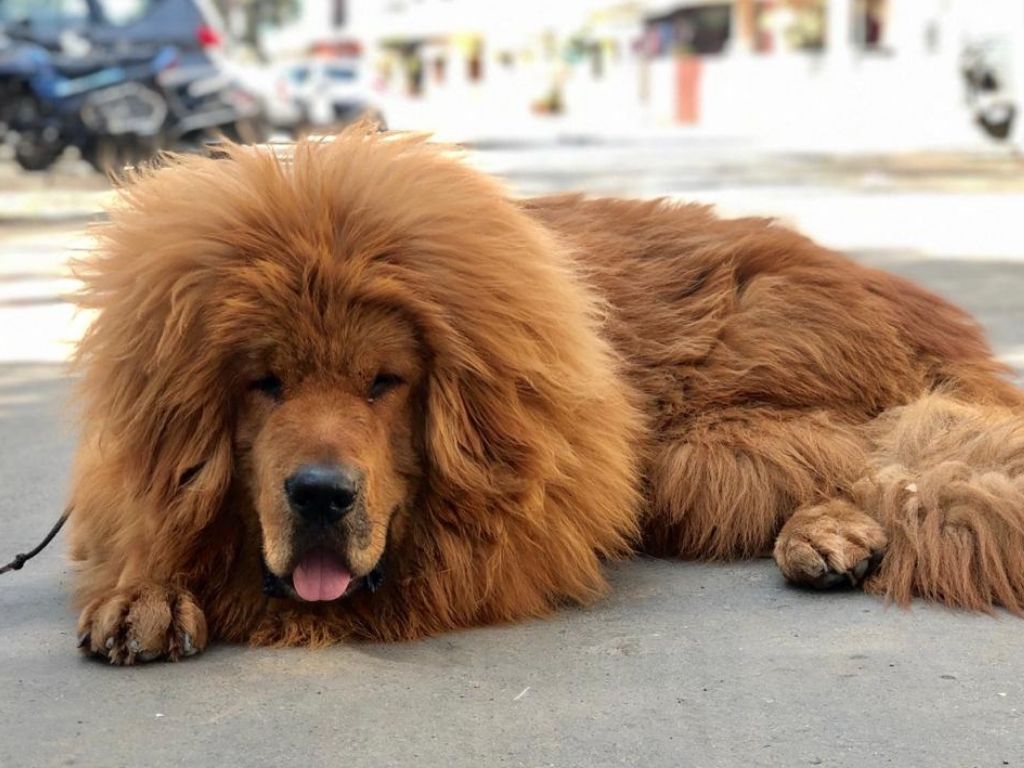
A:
(948, 487)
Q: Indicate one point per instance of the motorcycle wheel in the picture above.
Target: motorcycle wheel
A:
(110, 155)
(104, 155)
(253, 130)
(997, 121)
(36, 155)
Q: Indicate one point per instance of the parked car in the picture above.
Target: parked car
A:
(193, 27)
(320, 93)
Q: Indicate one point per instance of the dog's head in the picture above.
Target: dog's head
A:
(376, 356)
(330, 440)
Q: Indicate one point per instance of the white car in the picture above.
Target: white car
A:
(318, 93)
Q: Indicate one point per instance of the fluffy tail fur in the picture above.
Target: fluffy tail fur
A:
(948, 487)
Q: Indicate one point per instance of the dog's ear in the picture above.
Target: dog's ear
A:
(529, 446)
(154, 392)
(483, 440)
(517, 363)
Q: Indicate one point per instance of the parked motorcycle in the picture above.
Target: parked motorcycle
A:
(201, 104)
(116, 108)
(985, 66)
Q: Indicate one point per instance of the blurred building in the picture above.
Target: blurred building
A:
(874, 72)
(528, 56)
(295, 28)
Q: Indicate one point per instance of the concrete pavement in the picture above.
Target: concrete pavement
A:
(683, 664)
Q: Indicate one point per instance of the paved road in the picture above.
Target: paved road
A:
(685, 664)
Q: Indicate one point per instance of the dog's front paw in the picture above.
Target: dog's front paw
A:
(142, 623)
(831, 545)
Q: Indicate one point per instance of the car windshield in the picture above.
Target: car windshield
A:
(43, 12)
(341, 74)
(121, 12)
(298, 75)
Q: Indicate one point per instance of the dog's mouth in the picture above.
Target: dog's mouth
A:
(319, 576)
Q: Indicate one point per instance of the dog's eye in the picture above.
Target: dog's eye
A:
(382, 384)
(269, 385)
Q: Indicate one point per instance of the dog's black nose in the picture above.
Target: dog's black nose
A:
(322, 493)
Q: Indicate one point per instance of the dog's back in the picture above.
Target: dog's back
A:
(795, 391)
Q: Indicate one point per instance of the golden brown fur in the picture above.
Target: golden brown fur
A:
(578, 378)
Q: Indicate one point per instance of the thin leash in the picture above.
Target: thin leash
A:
(19, 560)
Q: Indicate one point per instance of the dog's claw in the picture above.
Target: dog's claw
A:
(109, 644)
(83, 639)
(831, 579)
(854, 577)
(188, 646)
(875, 562)
(134, 646)
(860, 570)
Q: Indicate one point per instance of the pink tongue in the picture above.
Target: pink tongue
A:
(321, 576)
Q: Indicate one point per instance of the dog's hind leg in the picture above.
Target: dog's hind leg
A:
(724, 483)
(948, 487)
(944, 501)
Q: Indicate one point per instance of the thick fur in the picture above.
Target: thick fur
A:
(590, 377)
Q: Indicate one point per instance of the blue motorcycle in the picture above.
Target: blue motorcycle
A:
(115, 108)
(51, 102)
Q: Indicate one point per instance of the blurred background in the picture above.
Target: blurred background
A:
(890, 129)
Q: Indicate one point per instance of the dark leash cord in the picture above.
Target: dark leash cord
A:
(19, 560)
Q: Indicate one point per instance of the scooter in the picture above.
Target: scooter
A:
(201, 104)
(60, 101)
(117, 109)
(984, 67)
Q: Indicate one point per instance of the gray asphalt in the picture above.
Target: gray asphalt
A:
(684, 664)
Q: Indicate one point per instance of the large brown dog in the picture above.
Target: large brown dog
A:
(361, 393)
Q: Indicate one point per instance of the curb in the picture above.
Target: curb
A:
(52, 207)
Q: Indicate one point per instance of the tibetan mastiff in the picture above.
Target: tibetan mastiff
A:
(357, 391)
